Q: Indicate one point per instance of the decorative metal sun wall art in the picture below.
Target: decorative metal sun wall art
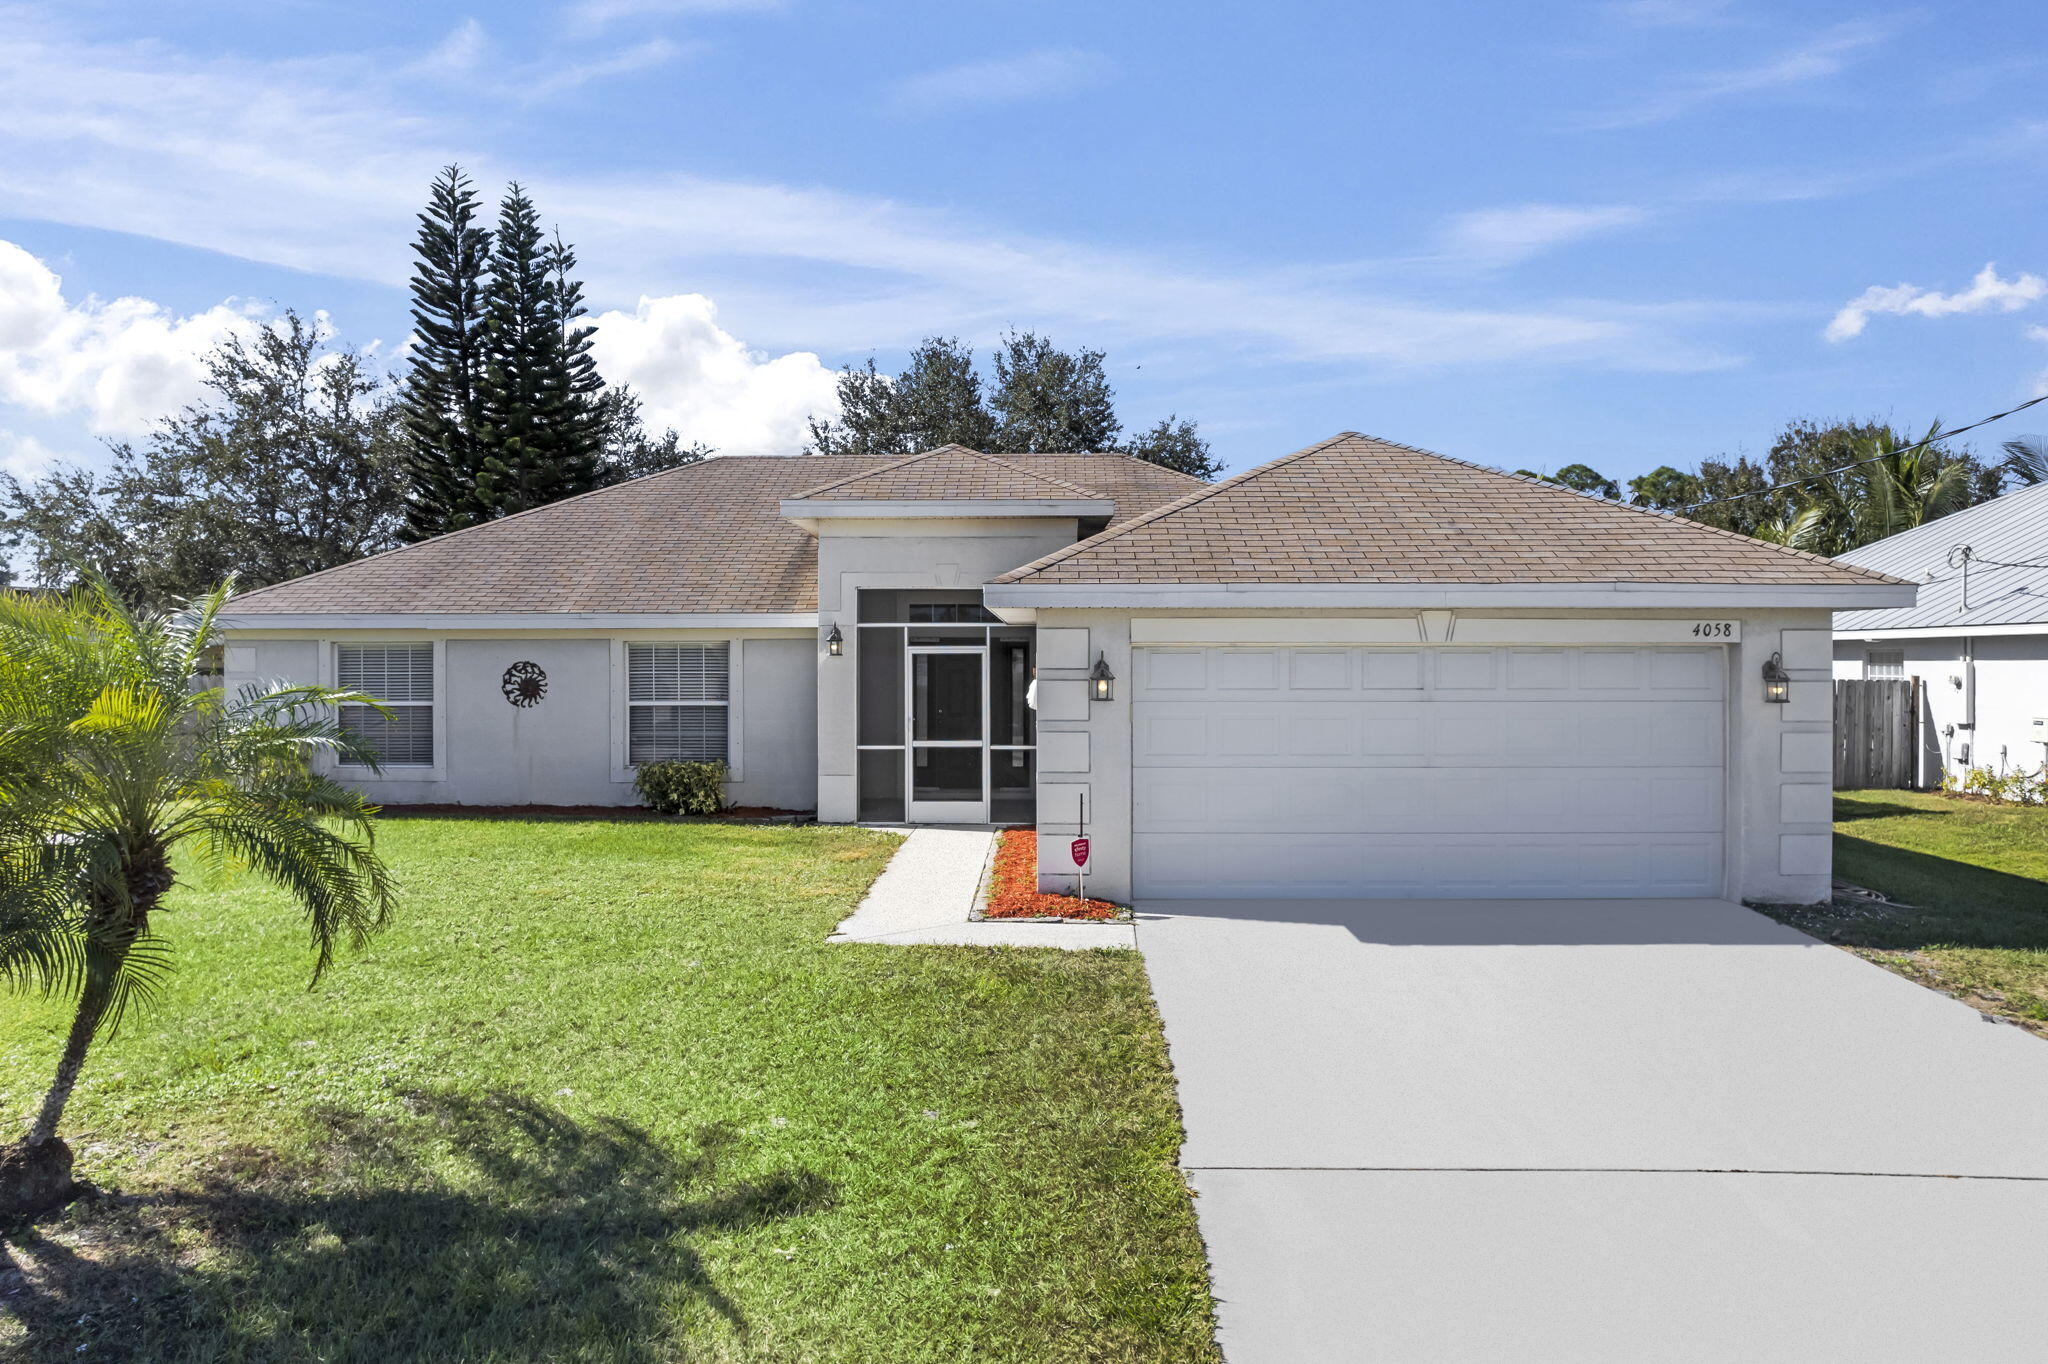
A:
(524, 684)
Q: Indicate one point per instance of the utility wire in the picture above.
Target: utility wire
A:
(1875, 459)
(1963, 556)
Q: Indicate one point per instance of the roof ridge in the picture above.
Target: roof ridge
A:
(1123, 455)
(1053, 479)
(707, 461)
(1665, 518)
(882, 468)
(953, 448)
(1200, 494)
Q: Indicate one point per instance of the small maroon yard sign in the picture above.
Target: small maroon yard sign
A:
(1079, 848)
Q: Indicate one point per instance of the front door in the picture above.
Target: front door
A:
(946, 690)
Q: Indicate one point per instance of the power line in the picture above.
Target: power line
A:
(1842, 469)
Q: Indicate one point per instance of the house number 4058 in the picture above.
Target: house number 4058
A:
(1714, 629)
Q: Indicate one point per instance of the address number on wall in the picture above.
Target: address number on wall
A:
(1713, 629)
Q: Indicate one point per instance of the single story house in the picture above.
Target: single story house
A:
(1361, 669)
(1977, 637)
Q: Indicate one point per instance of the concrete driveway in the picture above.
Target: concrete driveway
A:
(1590, 1130)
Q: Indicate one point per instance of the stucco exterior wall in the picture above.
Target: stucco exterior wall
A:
(857, 553)
(566, 749)
(2010, 675)
(1779, 834)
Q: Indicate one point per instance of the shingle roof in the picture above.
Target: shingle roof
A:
(2012, 530)
(1355, 509)
(951, 473)
(706, 537)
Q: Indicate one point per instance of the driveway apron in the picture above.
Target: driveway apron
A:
(1573, 1130)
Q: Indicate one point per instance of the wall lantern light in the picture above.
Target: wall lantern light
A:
(1777, 682)
(835, 643)
(1101, 681)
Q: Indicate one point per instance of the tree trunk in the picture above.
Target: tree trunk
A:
(85, 1025)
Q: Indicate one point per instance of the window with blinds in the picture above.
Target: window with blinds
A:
(678, 698)
(402, 677)
(1885, 663)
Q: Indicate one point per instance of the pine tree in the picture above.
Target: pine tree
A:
(542, 431)
(442, 399)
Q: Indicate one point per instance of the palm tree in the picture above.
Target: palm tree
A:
(111, 760)
(2026, 459)
(1907, 483)
(1806, 528)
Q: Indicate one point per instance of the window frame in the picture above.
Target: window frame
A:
(330, 671)
(1870, 663)
(623, 703)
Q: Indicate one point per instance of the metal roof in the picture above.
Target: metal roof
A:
(2012, 528)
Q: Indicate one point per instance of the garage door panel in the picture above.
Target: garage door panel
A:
(1564, 733)
(1430, 772)
(1205, 866)
(1426, 801)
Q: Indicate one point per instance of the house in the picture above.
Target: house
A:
(1361, 669)
(1977, 637)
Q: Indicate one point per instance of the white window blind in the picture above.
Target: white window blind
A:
(678, 697)
(1885, 663)
(402, 677)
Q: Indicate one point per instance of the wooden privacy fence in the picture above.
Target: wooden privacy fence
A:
(1876, 738)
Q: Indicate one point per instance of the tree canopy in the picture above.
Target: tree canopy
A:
(1846, 483)
(292, 462)
(1035, 398)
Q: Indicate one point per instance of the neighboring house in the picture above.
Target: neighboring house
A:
(1360, 669)
(1977, 637)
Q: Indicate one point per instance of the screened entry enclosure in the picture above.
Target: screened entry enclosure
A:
(944, 734)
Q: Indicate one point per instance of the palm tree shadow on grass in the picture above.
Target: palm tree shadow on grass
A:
(561, 1238)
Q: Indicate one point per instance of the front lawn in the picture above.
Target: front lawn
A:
(603, 1093)
(1971, 880)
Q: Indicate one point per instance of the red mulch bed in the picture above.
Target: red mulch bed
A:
(1013, 889)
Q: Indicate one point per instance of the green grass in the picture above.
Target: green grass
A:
(1971, 880)
(603, 1093)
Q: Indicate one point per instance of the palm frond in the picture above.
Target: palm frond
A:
(2026, 459)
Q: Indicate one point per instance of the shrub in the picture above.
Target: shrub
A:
(678, 788)
(2017, 787)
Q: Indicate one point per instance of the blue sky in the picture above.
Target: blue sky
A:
(1622, 233)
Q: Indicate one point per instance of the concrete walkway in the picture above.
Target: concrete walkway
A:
(927, 895)
(1593, 1130)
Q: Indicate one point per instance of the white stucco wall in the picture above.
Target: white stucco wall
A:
(2010, 674)
(564, 750)
(857, 553)
(1779, 834)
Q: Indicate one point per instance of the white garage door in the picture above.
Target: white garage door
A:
(1428, 772)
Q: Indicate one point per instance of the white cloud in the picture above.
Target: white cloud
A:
(1987, 293)
(321, 168)
(1006, 80)
(24, 456)
(693, 375)
(1830, 54)
(467, 59)
(1505, 236)
(119, 364)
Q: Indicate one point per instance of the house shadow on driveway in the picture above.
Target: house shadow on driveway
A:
(550, 1237)
(1499, 923)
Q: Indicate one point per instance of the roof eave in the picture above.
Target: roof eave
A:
(230, 619)
(1590, 596)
